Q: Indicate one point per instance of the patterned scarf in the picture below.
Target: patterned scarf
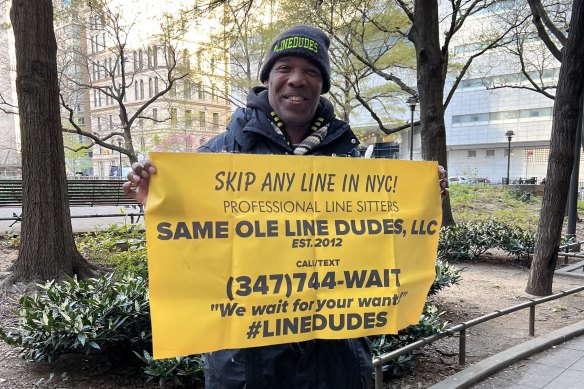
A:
(308, 143)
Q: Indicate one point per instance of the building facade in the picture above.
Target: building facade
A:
(497, 126)
(10, 162)
(146, 85)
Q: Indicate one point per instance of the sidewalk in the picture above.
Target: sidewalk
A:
(551, 361)
(89, 224)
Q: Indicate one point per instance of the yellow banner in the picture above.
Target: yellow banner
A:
(253, 250)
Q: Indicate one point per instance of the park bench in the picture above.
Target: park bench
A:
(81, 192)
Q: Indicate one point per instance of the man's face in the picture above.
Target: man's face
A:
(294, 87)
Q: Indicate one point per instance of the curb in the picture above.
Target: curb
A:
(487, 367)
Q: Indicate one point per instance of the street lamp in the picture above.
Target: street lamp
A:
(412, 102)
(120, 168)
(509, 134)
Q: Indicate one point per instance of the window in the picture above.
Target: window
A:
(136, 91)
(188, 118)
(156, 85)
(155, 56)
(142, 89)
(173, 118)
(99, 123)
(140, 60)
(201, 91)
(186, 59)
(111, 122)
(149, 57)
(187, 89)
(471, 154)
(490, 153)
(135, 61)
(150, 88)
(537, 155)
(215, 121)
(155, 113)
(472, 83)
(506, 153)
(202, 120)
(172, 91)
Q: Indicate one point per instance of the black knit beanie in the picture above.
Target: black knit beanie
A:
(301, 41)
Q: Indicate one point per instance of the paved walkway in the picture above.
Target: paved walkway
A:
(88, 224)
(551, 361)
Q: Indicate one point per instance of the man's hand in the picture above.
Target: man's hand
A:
(139, 181)
(443, 182)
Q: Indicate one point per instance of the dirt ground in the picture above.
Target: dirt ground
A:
(487, 285)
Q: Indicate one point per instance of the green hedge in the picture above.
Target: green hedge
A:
(467, 241)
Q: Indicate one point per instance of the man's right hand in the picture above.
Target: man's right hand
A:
(139, 181)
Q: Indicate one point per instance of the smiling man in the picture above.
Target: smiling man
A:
(288, 115)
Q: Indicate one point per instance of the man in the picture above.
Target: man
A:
(287, 115)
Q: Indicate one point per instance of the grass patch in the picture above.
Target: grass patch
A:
(497, 203)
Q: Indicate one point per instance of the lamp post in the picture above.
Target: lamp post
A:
(412, 102)
(120, 168)
(509, 134)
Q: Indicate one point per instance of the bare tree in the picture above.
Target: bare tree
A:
(567, 106)
(380, 38)
(47, 248)
(110, 74)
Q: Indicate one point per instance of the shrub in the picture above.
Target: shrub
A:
(429, 324)
(120, 248)
(466, 241)
(515, 241)
(101, 315)
(180, 371)
(10, 241)
(446, 275)
(80, 316)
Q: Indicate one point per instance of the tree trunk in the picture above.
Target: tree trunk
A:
(566, 108)
(425, 37)
(47, 248)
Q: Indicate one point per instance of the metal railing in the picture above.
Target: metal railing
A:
(461, 328)
(378, 362)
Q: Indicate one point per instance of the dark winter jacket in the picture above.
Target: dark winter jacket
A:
(316, 364)
(251, 131)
